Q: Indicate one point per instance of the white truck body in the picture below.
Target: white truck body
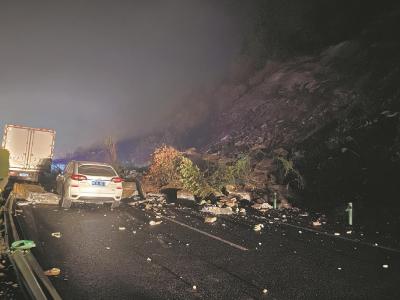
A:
(31, 151)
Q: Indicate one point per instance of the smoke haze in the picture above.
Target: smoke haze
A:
(89, 69)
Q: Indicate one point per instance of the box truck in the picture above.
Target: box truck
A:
(31, 151)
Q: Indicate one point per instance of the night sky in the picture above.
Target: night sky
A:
(89, 69)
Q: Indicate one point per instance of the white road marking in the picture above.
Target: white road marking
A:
(208, 234)
(340, 237)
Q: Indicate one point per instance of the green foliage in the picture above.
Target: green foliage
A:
(192, 178)
(168, 165)
(222, 176)
(4, 167)
(288, 172)
(241, 169)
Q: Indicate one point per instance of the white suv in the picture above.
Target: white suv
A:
(89, 182)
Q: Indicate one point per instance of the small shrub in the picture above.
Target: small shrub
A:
(242, 169)
(289, 173)
(222, 176)
(225, 174)
(192, 178)
(163, 167)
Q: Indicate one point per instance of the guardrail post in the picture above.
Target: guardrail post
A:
(349, 210)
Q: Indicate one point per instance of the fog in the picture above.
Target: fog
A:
(89, 69)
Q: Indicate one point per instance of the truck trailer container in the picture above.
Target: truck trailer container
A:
(31, 151)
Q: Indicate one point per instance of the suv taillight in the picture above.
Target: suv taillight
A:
(117, 179)
(78, 177)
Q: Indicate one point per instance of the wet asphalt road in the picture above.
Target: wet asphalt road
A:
(225, 260)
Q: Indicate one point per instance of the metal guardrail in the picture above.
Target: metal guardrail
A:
(31, 276)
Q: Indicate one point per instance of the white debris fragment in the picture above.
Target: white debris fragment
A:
(264, 291)
(108, 248)
(134, 232)
(385, 266)
(210, 219)
(300, 232)
(258, 227)
(242, 211)
(339, 268)
(203, 202)
(337, 233)
(121, 228)
(349, 232)
(194, 287)
(316, 223)
(217, 210)
(56, 234)
(148, 259)
(105, 215)
(152, 223)
(259, 243)
(376, 244)
(261, 206)
(23, 203)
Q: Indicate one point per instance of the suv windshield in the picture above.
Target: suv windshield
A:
(94, 170)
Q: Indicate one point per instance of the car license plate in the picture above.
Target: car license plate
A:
(23, 174)
(98, 183)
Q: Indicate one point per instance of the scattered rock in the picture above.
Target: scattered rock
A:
(316, 223)
(203, 202)
(258, 227)
(210, 220)
(182, 194)
(56, 234)
(217, 210)
(242, 195)
(231, 202)
(385, 266)
(43, 198)
(152, 223)
(52, 272)
(121, 228)
(262, 206)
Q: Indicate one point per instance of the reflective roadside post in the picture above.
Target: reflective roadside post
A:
(274, 200)
(349, 210)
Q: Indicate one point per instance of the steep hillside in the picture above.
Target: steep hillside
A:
(334, 109)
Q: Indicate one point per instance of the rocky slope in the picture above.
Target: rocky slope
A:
(335, 111)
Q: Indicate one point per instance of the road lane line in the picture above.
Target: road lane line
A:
(341, 237)
(208, 234)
